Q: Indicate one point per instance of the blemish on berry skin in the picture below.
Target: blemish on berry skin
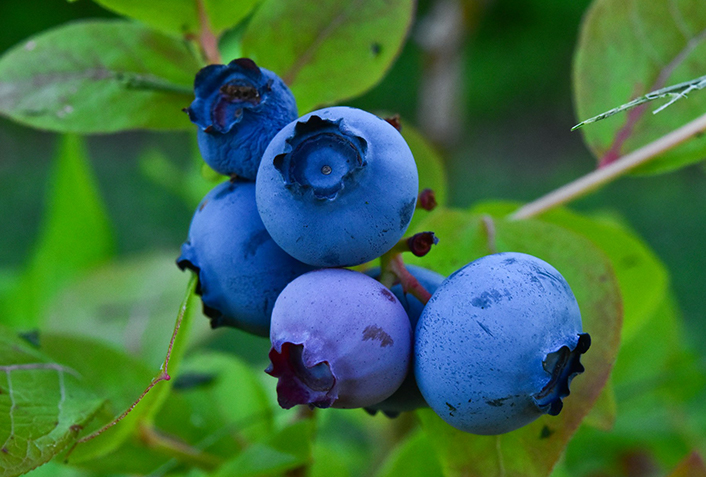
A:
(451, 408)
(406, 212)
(545, 432)
(486, 299)
(388, 294)
(484, 328)
(375, 48)
(497, 402)
(376, 333)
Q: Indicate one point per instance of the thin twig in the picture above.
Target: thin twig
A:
(610, 172)
(207, 39)
(162, 376)
(675, 92)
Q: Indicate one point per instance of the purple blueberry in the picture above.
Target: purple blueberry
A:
(498, 344)
(407, 397)
(239, 107)
(337, 187)
(339, 339)
(241, 270)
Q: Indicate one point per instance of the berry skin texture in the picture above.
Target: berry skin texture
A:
(337, 187)
(339, 339)
(498, 344)
(240, 268)
(239, 107)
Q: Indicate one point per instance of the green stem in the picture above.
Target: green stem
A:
(612, 171)
(178, 449)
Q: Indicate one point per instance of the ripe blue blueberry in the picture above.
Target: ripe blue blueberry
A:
(339, 339)
(240, 268)
(239, 107)
(498, 344)
(408, 397)
(337, 187)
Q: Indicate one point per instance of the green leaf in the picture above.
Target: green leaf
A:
(288, 449)
(225, 14)
(656, 379)
(672, 370)
(226, 403)
(109, 372)
(76, 234)
(181, 17)
(43, 405)
(98, 76)
(603, 414)
(693, 465)
(129, 303)
(534, 449)
(627, 49)
(430, 166)
(146, 410)
(412, 458)
(328, 51)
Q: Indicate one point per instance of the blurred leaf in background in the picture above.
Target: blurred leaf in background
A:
(76, 235)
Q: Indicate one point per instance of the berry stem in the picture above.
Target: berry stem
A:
(392, 269)
(490, 232)
(426, 200)
(612, 171)
(409, 284)
(207, 39)
(178, 449)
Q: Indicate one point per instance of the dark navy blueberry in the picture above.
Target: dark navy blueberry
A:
(408, 397)
(337, 187)
(241, 270)
(239, 107)
(499, 343)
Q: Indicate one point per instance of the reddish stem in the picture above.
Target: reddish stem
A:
(409, 284)
(162, 376)
(207, 39)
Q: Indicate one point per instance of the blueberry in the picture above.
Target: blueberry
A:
(339, 339)
(407, 397)
(241, 270)
(239, 107)
(337, 187)
(498, 344)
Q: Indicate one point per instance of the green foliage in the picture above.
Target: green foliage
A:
(43, 405)
(328, 51)
(412, 458)
(628, 49)
(182, 17)
(100, 328)
(68, 78)
(659, 390)
(76, 235)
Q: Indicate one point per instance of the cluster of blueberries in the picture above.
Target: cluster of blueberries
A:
(495, 347)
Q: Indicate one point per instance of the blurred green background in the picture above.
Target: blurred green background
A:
(509, 138)
(489, 81)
